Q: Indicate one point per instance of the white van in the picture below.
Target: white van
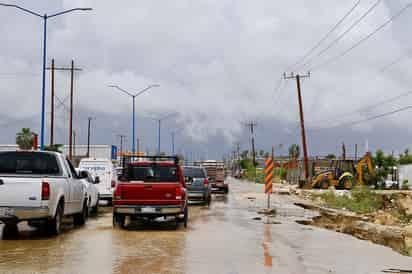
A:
(104, 171)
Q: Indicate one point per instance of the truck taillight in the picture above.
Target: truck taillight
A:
(206, 182)
(118, 194)
(113, 183)
(45, 191)
(178, 193)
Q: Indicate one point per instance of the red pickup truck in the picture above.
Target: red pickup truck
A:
(150, 187)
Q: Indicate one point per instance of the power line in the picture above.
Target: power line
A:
(368, 107)
(365, 120)
(326, 36)
(334, 42)
(364, 39)
(397, 60)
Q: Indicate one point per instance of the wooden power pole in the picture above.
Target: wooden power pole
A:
(72, 69)
(302, 120)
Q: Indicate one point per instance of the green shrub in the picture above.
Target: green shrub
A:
(361, 200)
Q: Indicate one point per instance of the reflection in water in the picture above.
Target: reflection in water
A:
(266, 245)
(149, 247)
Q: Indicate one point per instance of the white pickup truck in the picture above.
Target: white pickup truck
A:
(41, 188)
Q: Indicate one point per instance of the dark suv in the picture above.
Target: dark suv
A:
(198, 185)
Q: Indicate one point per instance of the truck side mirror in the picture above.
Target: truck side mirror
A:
(97, 180)
(83, 174)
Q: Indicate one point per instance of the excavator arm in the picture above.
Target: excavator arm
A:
(366, 160)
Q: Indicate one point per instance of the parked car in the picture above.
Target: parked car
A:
(198, 186)
(41, 188)
(150, 187)
(91, 189)
(104, 171)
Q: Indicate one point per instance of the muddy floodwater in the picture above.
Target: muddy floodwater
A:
(229, 237)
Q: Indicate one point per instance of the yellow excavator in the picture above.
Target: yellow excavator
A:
(344, 174)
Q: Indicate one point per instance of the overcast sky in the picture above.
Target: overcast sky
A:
(218, 63)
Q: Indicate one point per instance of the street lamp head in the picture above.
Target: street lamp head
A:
(85, 9)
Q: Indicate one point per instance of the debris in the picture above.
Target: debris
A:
(267, 211)
(394, 270)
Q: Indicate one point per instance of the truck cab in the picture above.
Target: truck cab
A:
(150, 187)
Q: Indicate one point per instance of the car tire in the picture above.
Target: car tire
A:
(79, 219)
(10, 231)
(119, 220)
(185, 216)
(54, 225)
(95, 209)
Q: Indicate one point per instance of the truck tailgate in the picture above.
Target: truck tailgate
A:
(139, 193)
(20, 191)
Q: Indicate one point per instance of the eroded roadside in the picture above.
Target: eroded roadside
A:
(382, 217)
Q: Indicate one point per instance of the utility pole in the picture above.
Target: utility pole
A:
(72, 69)
(138, 144)
(74, 144)
(238, 151)
(252, 126)
(122, 137)
(52, 105)
(302, 120)
(356, 152)
(88, 135)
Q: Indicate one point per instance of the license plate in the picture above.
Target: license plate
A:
(148, 210)
(6, 212)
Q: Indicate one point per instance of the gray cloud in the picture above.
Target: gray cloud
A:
(218, 63)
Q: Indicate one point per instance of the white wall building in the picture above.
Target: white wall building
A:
(96, 151)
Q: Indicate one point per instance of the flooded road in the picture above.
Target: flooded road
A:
(228, 237)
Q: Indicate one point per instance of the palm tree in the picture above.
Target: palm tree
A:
(25, 139)
(294, 151)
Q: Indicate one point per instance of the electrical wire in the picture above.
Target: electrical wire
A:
(317, 45)
(367, 108)
(396, 61)
(352, 123)
(364, 39)
(343, 34)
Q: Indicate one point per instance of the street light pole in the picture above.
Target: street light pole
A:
(133, 96)
(88, 135)
(173, 143)
(43, 89)
(134, 125)
(158, 143)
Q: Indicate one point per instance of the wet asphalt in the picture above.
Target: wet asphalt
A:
(227, 237)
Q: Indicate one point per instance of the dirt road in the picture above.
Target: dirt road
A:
(225, 238)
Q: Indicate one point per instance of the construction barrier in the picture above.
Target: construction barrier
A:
(269, 169)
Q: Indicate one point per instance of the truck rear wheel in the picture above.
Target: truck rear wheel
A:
(186, 216)
(54, 225)
(10, 231)
(119, 220)
(80, 218)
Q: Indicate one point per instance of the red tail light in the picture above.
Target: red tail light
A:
(118, 194)
(206, 182)
(178, 193)
(113, 183)
(45, 191)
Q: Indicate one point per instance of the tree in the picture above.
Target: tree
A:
(25, 139)
(261, 152)
(331, 156)
(244, 154)
(55, 148)
(384, 163)
(405, 158)
(294, 151)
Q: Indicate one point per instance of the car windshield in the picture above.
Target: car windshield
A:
(153, 173)
(193, 172)
(28, 163)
